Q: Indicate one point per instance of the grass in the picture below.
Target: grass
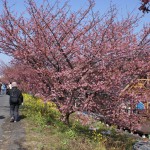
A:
(44, 131)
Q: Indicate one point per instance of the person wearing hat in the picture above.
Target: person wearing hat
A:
(15, 100)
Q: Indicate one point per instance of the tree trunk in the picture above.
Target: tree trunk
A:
(65, 118)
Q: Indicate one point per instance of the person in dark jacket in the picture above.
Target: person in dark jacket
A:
(15, 100)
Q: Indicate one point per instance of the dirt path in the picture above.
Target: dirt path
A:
(11, 134)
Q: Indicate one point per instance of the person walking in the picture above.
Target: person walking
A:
(10, 86)
(140, 107)
(0, 87)
(3, 89)
(15, 100)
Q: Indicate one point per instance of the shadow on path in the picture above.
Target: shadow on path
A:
(21, 117)
(4, 106)
(2, 117)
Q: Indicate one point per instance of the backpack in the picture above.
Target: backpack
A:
(14, 96)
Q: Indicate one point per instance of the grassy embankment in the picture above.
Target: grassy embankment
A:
(45, 131)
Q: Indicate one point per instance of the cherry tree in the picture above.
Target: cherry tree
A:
(77, 59)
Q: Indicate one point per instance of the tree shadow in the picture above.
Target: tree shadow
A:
(2, 117)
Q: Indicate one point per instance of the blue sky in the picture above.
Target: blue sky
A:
(124, 7)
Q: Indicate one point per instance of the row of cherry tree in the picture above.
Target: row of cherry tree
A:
(79, 60)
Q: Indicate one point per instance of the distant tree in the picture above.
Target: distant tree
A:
(76, 59)
(22, 74)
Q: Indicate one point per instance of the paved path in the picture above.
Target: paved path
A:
(4, 111)
(11, 134)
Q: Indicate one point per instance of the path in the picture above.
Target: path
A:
(11, 134)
